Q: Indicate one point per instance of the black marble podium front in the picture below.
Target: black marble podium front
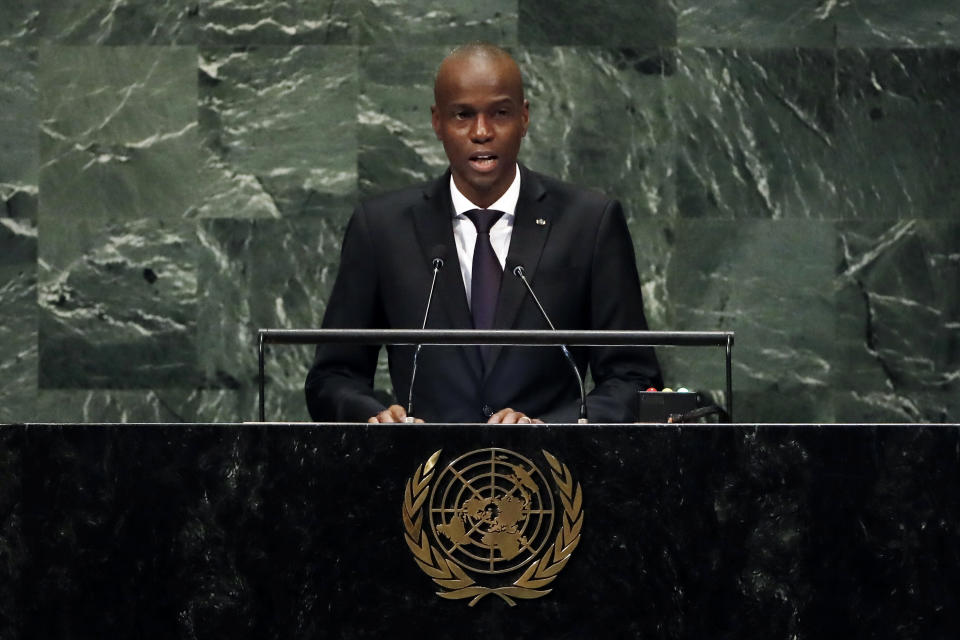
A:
(295, 531)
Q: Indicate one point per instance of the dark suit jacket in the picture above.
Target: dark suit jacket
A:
(579, 258)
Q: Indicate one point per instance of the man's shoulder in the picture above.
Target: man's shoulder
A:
(398, 199)
(563, 191)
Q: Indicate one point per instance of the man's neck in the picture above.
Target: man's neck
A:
(505, 201)
(484, 200)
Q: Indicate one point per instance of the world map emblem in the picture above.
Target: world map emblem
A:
(491, 522)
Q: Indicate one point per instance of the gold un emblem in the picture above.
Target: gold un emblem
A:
(490, 525)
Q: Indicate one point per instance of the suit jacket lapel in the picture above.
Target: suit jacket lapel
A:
(434, 226)
(531, 226)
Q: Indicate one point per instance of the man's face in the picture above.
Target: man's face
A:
(480, 116)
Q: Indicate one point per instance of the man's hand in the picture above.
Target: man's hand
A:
(393, 413)
(509, 416)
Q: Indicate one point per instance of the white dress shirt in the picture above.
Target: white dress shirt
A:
(465, 234)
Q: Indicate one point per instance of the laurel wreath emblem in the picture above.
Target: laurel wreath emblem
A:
(453, 579)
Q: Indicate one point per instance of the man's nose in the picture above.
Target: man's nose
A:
(481, 130)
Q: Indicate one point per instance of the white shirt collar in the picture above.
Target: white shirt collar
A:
(506, 203)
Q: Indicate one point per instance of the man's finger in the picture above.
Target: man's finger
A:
(393, 413)
(509, 416)
(518, 417)
(397, 412)
(498, 417)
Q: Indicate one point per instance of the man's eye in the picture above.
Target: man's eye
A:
(462, 115)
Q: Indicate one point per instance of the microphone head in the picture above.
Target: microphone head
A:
(519, 271)
(437, 253)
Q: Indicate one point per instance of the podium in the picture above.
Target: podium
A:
(502, 337)
(297, 531)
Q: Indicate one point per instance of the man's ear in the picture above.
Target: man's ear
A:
(526, 117)
(435, 120)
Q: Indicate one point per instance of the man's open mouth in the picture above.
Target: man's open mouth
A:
(483, 161)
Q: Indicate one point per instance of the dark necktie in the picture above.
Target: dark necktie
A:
(486, 272)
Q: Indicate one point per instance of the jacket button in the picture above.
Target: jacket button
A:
(487, 410)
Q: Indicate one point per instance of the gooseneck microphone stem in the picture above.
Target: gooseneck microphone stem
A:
(520, 272)
(437, 265)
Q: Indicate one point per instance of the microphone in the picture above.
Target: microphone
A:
(437, 251)
(521, 273)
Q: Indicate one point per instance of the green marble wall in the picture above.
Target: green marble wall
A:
(175, 174)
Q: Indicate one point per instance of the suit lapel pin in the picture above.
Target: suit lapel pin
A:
(541, 221)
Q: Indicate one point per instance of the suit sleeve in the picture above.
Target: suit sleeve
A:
(616, 303)
(339, 386)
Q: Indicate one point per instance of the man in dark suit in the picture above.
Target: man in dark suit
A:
(485, 212)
